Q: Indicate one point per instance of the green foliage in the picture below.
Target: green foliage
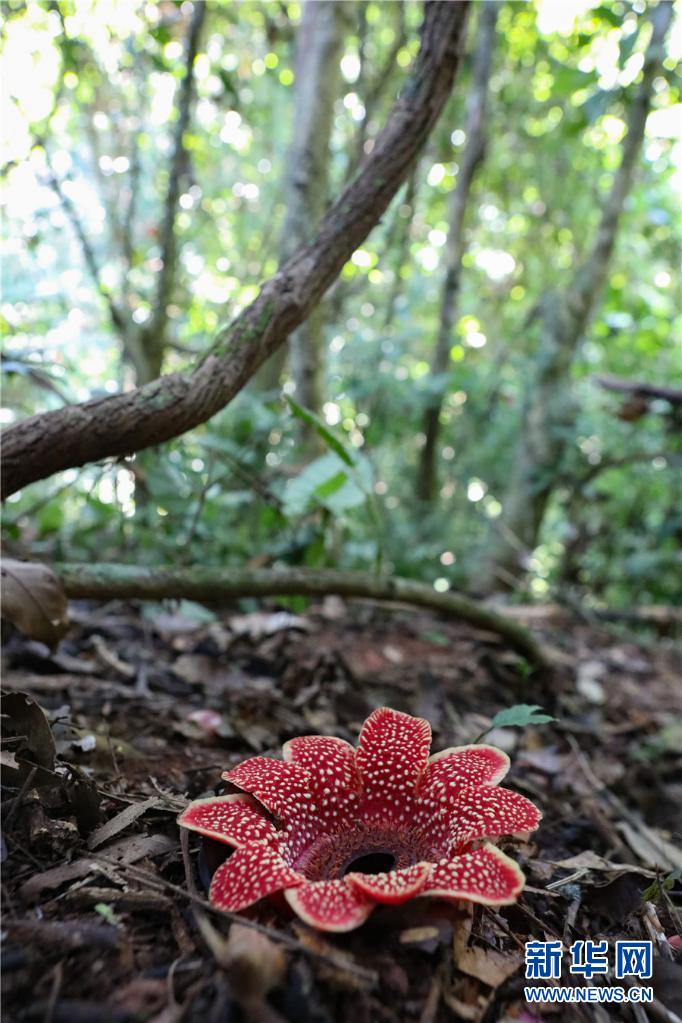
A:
(657, 890)
(237, 488)
(327, 483)
(518, 716)
(323, 431)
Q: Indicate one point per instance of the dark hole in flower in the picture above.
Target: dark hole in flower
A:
(371, 863)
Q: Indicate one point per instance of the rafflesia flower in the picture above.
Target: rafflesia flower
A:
(340, 830)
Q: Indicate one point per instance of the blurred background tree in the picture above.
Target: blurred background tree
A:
(150, 173)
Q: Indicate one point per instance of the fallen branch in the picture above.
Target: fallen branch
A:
(106, 582)
(173, 404)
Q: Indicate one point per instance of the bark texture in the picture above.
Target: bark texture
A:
(472, 157)
(549, 411)
(170, 405)
(124, 582)
(318, 83)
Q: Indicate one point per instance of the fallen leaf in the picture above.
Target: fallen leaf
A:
(650, 846)
(259, 624)
(418, 935)
(126, 850)
(589, 860)
(122, 820)
(255, 964)
(7, 759)
(33, 600)
(194, 668)
(488, 965)
(588, 684)
(25, 719)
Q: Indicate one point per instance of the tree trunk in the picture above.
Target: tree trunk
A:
(318, 83)
(152, 339)
(472, 157)
(549, 412)
(306, 185)
(172, 404)
(143, 348)
(400, 241)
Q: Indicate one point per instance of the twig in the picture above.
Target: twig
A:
(159, 883)
(28, 782)
(55, 988)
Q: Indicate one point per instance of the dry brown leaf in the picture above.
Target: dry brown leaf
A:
(126, 850)
(122, 820)
(488, 965)
(485, 964)
(256, 964)
(650, 846)
(25, 719)
(259, 624)
(589, 860)
(33, 599)
(7, 759)
(418, 935)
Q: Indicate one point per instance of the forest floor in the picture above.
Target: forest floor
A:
(98, 927)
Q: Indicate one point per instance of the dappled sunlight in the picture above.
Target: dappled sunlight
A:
(97, 109)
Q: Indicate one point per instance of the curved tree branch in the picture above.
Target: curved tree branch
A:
(170, 405)
(126, 582)
(640, 389)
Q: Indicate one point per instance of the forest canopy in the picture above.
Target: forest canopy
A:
(488, 394)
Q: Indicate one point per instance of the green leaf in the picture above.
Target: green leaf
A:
(654, 893)
(325, 483)
(520, 715)
(107, 913)
(323, 431)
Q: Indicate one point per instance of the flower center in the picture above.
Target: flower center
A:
(370, 863)
(372, 847)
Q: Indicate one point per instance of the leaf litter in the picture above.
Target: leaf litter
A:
(138, 712)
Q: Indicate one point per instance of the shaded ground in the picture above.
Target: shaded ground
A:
(97, 923)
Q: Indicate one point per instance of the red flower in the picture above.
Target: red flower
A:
(340, 830)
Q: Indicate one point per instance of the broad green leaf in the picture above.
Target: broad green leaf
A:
(323, 431)
(520, 715)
